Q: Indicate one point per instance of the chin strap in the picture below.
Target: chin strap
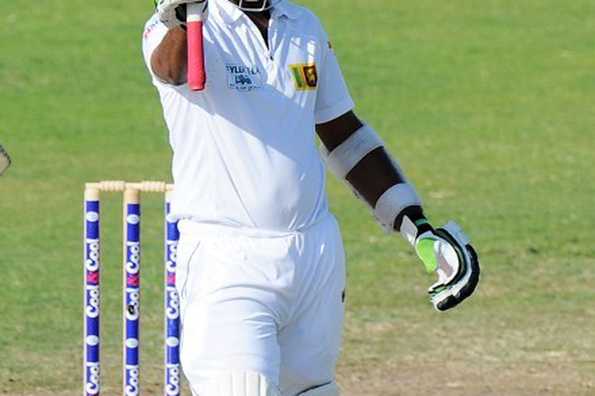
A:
(265, 5)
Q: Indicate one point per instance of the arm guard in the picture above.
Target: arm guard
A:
(348, 154)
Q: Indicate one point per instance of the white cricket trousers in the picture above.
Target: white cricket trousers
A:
(262, 302)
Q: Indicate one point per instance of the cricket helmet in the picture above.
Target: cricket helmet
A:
(255, 5)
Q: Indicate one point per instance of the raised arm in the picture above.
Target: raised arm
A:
(169, 59)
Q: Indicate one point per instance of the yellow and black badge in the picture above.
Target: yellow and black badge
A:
(305, 76)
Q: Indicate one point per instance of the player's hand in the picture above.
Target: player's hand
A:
(172, 13)
(447, 252)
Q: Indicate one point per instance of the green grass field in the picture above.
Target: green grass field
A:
(489, 106)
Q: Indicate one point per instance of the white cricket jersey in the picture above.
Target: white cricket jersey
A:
(244, 149)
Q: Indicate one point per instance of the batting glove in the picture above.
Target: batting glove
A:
(447, 252)
(172, 13)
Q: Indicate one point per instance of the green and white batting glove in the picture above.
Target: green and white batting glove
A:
(447, 252)
(172, 13)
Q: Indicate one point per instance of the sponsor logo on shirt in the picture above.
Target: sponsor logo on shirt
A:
(305, 76)
(243, 78)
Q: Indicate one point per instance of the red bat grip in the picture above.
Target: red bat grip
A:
(196, 59)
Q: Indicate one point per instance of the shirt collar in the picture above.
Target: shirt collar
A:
(230, 13)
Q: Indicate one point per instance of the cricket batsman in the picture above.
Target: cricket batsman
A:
(261, 265)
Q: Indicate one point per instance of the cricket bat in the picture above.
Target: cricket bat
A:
(196, 57)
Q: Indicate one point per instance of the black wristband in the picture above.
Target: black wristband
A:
(416, 215)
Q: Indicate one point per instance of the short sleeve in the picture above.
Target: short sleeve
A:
(153, 34)
(333, 98)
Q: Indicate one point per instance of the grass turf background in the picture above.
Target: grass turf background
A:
(489, 106)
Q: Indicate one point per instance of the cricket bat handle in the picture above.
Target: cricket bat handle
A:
(197, 77)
